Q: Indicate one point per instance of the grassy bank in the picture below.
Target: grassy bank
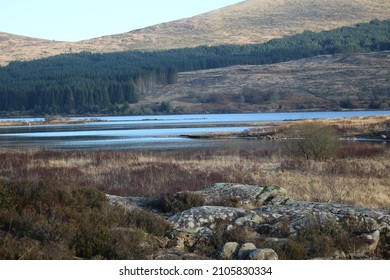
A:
(46, 121)
(370, 127)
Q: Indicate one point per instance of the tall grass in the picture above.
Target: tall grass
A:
(358, 175)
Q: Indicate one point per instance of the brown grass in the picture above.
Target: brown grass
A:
(46, 121)
(359, 178)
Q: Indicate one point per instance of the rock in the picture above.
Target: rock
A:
(244, 250)
(271, 195)
(240, 195)
(367, 242)
(249, 220)
(229, 251)
(263, 254)
(226, 194)
(274, 221)
(199, 219)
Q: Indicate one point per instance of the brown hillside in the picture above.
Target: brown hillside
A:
(319, 83)
(251, 21)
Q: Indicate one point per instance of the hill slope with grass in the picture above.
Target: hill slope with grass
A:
(250, 21)
(327, 82)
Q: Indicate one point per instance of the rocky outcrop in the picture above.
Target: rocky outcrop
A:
(240, 195)
(265, 224)
(205, 218)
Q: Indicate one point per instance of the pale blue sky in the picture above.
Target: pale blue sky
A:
(74, 20)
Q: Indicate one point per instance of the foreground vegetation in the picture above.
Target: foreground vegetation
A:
(53, 204)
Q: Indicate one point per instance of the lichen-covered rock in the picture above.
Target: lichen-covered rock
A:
(229, 251)
(263, 254)
(240, 195)
(271, 195)
(227, 193)
(249, 220)
(206, 217)
(244, 251)
(297, 213)
(273, 221)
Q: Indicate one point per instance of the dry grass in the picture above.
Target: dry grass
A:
(351, 181)
(356, 125)
(369, 127)
(51, 120)
(360, 178)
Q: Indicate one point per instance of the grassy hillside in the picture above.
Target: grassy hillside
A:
(321, 83)
(251, 21)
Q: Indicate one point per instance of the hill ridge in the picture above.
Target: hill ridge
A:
(250, 21)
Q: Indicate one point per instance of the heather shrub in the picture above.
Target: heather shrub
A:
(181, 201)
(360, 151)
(148, 222)
(321, 237)
(314, 240)
(50, 220)
(94, 240)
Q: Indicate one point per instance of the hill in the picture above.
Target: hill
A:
(107, 83)
(327, 82)
(250, 21)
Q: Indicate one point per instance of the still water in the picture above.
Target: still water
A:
(146, 132)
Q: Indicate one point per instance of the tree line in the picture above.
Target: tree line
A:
(94, 83)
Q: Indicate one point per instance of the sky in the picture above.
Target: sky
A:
(75, 20)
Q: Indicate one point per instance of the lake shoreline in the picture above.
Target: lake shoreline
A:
(354, 128)
(182, 131)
